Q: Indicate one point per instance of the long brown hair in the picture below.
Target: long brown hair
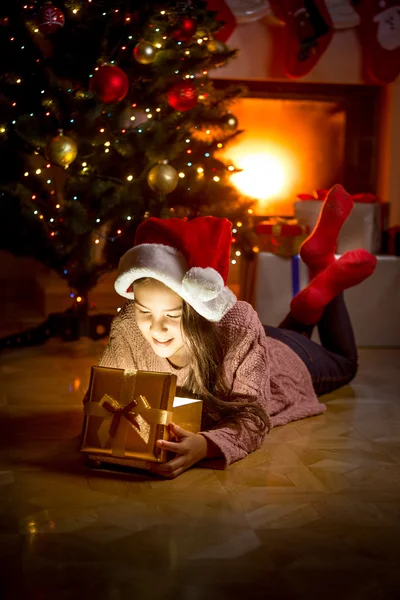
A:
(208, 346)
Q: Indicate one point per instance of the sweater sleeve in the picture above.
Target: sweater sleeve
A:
(121, 349)
(118, 352)
(247, 369)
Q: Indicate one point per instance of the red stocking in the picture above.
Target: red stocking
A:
(225, 14)
(308, 30)
(380, 35)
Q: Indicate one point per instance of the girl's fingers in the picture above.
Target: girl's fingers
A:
(169, 467)
(178, 431)
(173, 446)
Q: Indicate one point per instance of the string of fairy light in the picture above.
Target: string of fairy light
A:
(47, 171)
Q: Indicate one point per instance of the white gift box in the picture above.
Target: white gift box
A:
(276, 285)
(362, 228)
(374, 305)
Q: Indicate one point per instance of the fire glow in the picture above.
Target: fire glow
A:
(286, 147)
(268, 172)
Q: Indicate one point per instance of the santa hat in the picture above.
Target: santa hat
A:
(189, 257)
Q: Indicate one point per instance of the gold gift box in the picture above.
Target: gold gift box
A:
(128, 411)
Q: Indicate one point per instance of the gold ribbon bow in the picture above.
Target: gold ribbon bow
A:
(136, 414)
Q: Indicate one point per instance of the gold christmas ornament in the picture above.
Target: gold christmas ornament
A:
(216, 47)
(62, 150)
(163, 178)
(144, 53)
(230, 122)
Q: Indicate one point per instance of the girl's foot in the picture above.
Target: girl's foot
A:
(345, 272)
(318, 250)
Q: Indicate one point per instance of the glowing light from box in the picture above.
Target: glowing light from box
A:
(268, 171)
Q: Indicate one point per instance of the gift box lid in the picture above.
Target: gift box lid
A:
(282, 227)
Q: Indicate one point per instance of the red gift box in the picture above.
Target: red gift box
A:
(281, 236)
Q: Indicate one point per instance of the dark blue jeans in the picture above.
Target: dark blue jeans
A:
(332, 363)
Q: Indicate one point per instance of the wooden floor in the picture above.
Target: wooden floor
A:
(315, 513)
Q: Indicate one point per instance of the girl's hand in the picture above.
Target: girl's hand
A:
(189, 447)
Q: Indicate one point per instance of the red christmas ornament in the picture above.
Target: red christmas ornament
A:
(183, 96)
(51, 19)
(110, 84)
(186, 30)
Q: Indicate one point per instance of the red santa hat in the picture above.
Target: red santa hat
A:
(190, 257)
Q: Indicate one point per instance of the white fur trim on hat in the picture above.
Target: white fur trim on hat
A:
(202, 288)
(205, 283)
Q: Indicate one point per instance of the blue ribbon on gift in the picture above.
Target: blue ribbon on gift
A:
(295, 275)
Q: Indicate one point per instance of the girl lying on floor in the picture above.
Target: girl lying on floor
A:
(183, 319)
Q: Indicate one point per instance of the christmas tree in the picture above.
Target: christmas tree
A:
(109, 116)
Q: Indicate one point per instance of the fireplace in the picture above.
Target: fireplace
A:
(301, 137)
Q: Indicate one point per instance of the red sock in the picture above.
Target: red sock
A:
(349, 270)
(318, 250)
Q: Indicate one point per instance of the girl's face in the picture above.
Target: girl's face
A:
(158, 314)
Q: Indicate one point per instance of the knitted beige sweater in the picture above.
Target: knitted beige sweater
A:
(255, 365)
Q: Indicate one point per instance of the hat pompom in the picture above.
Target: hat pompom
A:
(203, 283)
